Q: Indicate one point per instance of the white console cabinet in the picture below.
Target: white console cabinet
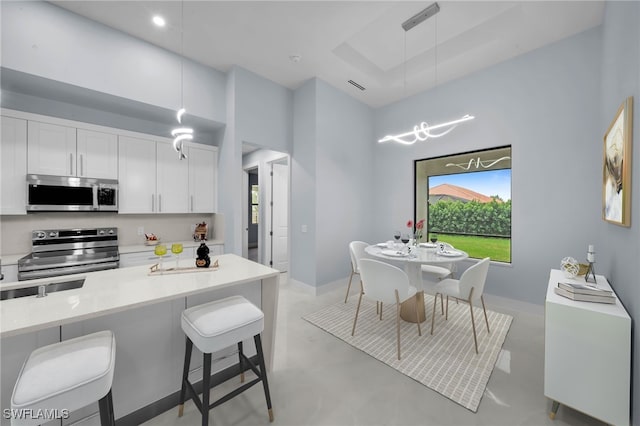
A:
(587, 354)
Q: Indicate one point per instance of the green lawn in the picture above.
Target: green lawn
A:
(498, 249)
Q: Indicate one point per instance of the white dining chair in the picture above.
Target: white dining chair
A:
(441, 271)
(356, 250)
(433, 274)
(387, 284)
(468, 288)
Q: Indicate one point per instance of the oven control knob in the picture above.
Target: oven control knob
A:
(101, 232)
(53, 234)
(111, 231)
(40, 235)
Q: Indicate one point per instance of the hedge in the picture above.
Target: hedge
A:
(458, 217)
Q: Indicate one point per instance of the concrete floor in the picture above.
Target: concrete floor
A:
(320, 380)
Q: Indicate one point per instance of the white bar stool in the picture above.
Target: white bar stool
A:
(66, 376)
(214, 326)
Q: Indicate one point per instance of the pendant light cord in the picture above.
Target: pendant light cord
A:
(404, 88)
(182, 54)
(436, 51)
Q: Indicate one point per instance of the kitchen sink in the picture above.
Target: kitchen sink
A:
(33, 290)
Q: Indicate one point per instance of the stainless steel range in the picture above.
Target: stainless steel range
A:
(69, 251)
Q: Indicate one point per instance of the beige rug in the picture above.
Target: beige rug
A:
(445, 361)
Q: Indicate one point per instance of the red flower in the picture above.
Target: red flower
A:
(420, 224)
(410, 224)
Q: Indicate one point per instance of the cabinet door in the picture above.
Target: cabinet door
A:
(97, 155)
(13, 159)
(173, 180)
(136, 175)
(51, 149)
(203, 165)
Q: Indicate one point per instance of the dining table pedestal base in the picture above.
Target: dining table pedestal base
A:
(408, 308)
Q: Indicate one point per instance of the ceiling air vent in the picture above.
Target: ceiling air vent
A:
(353, 83)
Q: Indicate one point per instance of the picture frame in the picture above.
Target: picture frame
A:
(616, 167)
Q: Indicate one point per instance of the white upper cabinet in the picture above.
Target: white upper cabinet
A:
(172, 183)
(13, 160)
(64, 151)
(51, 149)
(136, 175)
(97, 154)
(203, 166)
(152, 178)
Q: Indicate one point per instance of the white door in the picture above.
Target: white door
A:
(51, 149)
(202, 179)
(137, 175)
(97, 154)
(245, 215)
(280, 216)
(173, 180)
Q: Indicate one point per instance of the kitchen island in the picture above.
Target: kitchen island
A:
(144, 313)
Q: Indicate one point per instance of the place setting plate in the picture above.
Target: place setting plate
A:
(450, 253)
(394, 253)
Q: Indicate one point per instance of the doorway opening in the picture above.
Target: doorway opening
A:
(253, 209)
(265, 224)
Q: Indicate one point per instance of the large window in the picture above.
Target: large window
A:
(466, 201)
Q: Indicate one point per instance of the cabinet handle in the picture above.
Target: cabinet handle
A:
(81, 165)
(153, 203)
(159, 203)
(192, 204)
(71, 164)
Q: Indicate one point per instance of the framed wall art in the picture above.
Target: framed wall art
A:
(616, 167)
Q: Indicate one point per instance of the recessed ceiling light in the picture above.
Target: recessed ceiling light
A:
(159, 21)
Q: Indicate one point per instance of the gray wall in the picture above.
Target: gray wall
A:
(331, 181)
(344, 172)
(618, 248)
(303, 185)
(264, 112)
(545, 105)
(260, 112)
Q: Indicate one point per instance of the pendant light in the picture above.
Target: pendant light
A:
(181, 133)
(424, 131)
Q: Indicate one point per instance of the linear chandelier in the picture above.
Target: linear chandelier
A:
(181, 133)
(423, 131)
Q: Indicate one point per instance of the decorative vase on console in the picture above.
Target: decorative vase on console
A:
(203, 260)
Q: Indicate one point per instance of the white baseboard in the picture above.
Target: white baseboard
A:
(503, 303)
(325, 288)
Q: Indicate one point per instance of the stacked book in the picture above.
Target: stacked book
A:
(585, 293)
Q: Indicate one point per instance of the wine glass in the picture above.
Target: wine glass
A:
(405, 239)
(396, 236)
(160, 251)
(434, 238)
(176, 248)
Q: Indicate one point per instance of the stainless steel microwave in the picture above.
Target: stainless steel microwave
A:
(66, 193)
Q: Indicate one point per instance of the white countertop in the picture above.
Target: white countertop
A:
(556, 276)
(115, 290)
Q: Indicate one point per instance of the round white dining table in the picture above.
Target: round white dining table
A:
(412, 264)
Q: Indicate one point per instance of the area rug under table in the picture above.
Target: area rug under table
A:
(445, 361)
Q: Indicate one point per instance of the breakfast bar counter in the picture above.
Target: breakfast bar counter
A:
(144, 312)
